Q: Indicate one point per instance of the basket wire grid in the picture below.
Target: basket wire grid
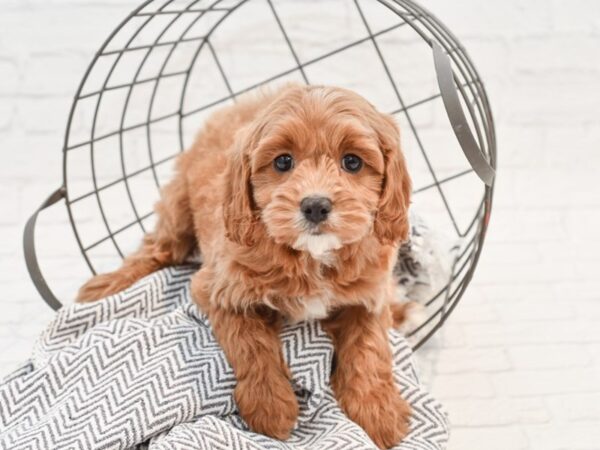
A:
(170, 63)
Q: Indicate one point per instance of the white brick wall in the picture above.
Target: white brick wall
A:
(519, 362)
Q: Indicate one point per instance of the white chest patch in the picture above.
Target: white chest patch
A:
(318, 245)
(315, 308)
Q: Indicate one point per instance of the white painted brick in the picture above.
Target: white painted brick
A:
(505, 19)
(9, 76)
(9, 198)
(569, 146)
(572, 436)
(555, 53)
(33, 157)
(594, 351)
(555, 99)
(551, 189)
(587, 222)
(588, 308)
(11, 352)
(44, 115)
(490, 438)
(504, 252)
(526, 225)
(544, 271)
(481, 412)
(501, 411)
(16, 312)
(493, 56)
(575, 407)
(463, 385)
(522, 146)
(526, 309)
(477, 313)
(576, 16)
(70, 28)
(583, 254)
(499, 294)
(451, 337)
(466, 360)
(61, 72)
(549, 357)
(531, 410)
(579, 290)
(7, 114)
(526, 383)
(504, 194)
(11, 240)
(533, 332)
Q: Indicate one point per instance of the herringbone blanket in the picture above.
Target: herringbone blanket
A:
(142, 370)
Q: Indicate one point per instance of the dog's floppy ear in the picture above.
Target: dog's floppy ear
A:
(238, 209)
(391, 222)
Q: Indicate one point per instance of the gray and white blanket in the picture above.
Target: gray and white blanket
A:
(142, 370)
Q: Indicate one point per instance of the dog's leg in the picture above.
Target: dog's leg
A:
(171, 242)
(263, 393)
(362, 381)
(250, 340)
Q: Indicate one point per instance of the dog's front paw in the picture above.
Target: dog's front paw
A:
(379, 410)
(268, 404)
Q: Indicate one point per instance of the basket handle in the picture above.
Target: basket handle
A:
(458, 120)
(31, 256)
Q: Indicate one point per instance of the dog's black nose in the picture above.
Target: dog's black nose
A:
(315, 209)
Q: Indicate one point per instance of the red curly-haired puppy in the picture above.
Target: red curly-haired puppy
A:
(298, 201)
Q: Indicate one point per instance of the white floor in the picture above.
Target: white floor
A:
(518, 364)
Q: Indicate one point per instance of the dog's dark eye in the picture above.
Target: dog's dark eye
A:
(351, 163)
(283, 163)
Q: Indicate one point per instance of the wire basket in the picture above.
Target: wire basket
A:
(169, 64)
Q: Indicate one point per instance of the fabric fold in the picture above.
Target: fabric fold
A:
(142, 369)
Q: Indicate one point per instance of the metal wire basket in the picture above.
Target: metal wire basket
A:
(171, 62)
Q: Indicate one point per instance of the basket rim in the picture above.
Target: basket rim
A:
(462, 66)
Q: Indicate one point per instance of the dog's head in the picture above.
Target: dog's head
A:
(320, 169)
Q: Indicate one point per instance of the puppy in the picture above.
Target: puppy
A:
(297, 201)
